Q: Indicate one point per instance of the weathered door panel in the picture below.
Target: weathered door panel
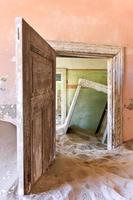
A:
(35, 105)
(117, 91)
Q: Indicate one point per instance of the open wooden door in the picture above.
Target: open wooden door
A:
(35, 105)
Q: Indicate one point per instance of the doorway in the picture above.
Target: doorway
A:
(115, 70)
(89, 115)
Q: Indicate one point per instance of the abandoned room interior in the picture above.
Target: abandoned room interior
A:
(66, 100)
(89, 116)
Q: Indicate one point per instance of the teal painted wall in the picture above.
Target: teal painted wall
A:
(90, 103)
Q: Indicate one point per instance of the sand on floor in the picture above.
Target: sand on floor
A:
(8, 157)
(85, 170)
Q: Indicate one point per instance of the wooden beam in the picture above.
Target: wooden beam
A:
(80, 49)
(71, 110)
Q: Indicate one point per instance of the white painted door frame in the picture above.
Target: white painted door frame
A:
(63, 93)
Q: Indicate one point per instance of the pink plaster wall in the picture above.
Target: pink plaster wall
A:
(92, 21)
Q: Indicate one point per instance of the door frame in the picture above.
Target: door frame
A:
(62, 71)
(115, 69)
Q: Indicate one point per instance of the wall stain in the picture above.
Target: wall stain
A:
(130, 105)
(3, 80)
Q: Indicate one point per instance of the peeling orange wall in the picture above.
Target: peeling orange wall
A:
(92, 21)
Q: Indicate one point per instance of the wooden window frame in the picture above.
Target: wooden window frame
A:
(115, 69)
(82, 83)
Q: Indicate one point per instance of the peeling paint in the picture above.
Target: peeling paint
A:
(3, 80)
(8, 110)
(130, 105)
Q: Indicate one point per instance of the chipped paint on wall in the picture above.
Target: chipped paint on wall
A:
(130, 105)
(8, 112)
(3, 80)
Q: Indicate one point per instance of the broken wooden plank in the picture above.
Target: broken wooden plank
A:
(91, 84)
(72, 107)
